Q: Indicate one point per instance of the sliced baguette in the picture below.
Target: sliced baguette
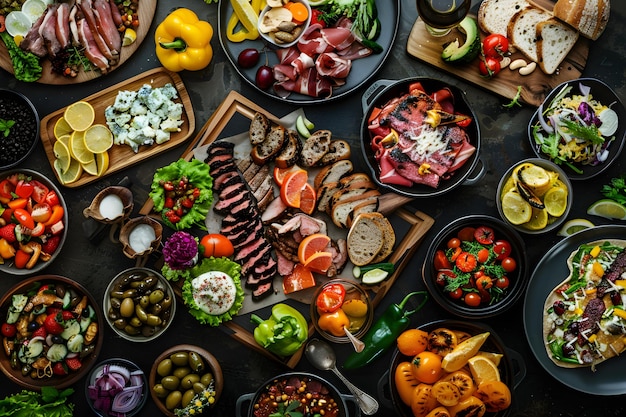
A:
(522, 30)
(351, 194)
(259, 127)
(337, 150)
(333, 173)
(355, 177)
(290, 154)
(367, 206)
(364, 241)
(325, 194)
(340, 212)
(589, 17)
(389, 236)
(272, 145)
(494, 15)
(555, 40)
(315, 147)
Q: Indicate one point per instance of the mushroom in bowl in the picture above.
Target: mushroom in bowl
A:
(52, 332)
(33, 222)
(282, 23)
(476, 267)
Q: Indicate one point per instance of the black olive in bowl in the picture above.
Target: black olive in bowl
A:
(19, 128)
(463, 285)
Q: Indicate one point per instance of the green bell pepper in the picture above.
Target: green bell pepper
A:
(284, 332)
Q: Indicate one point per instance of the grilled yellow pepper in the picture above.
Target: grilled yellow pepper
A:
(183, 41)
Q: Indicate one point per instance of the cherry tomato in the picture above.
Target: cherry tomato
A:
(456, 294)
(472, 299)
(454, 243)
(52, 198)
(39, 191)
(24, 188)
(466, 234)
(484, 235)
(331, 298)
(317, 17)
(443, 275)
(216, 245)
(6, 188)
(426, 367)
(24, 218)
(509, 264)
(502, 248)
(466, 262)
(9, 330)
(483, 255)
(502, 282)
(441, 261)
(484, 283)
(495, 46)
(488, 66)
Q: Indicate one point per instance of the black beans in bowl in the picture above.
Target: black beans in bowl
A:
(19, 128)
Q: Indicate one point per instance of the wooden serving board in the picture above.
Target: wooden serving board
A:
(416, 224)
(535, 87)
(122, 156)
(145, 12)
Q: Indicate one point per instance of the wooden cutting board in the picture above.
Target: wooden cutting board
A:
(535, 86)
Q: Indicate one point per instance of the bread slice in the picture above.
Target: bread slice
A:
(272, 145)
(589, 17)
(494, 15)
(337, 150)
(315, 147)
(290, 155)
(333, 173)
(325, 194)
(555, 40)
(342, 211)
(364, 241)
(389, 236)
(367, 206)
(259, 127)
(522, 30)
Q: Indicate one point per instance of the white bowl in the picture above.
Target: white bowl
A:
(269, 38)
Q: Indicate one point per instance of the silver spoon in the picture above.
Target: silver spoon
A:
(322, 356)
(356, 342)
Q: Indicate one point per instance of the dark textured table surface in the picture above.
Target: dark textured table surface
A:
(504, 141)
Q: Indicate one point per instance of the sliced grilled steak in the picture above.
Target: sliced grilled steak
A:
(263, 290)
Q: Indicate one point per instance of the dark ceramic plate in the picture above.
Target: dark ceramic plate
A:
(605, 95)
(373, 97)
(608, 379)
(362, 69)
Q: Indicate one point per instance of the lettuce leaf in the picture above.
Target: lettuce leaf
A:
(198, 174)
(49, 403)
(224, 265)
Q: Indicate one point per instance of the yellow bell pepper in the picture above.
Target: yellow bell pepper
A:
(183, 41)
(243, 10)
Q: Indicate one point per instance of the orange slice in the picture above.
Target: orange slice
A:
(317, 242)
(281, 173)
(292, 186)
(319, 262)
(299, 279)
(308, 199)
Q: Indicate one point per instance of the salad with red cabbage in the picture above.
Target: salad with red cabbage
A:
(575, 129)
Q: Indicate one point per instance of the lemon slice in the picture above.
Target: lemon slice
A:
(130, 36)
(515, 208)
(98, 138)
(102, 159)
(575, 225)
(509, 185)
(91, 167)
(71, 174)
(608, 209)
(538, 219)
(61, 128)
(79, 116)
(536, 178)
(492, 356)
(62, 154)
(483, 369)
(458, 357)
(555, 201)
(17, 23)
(78, 149)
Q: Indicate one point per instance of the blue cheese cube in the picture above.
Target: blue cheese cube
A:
(124, 100)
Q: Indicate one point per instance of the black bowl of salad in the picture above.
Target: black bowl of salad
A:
(476, 267)
(579, 126)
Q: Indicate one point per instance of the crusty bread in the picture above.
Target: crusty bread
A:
(365, 240)
(333, 172)
(367, 206)
(315, 147)
(340, 212)
(494, 15)
(290, 155)
(325, 194)
(555, 40)
(337, 150)
(271, 146)
(589, 17)
(522, 30)
(389, 236)
(259, 127)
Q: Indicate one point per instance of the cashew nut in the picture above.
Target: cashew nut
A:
(505, 62)
(528, 68)
(517, 64)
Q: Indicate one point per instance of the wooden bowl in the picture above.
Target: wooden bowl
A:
(211, 365)
(88, 361)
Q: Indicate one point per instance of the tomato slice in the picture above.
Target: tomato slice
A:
(441, 261)
(24, 188)
(6, 188)
(331, 298)
(466, 262)
(484, 235)
(24, 218)
(52, 198)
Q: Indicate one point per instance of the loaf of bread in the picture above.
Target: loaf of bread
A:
(522, 30)
(494, 15)
(589, 17)
(554, 41)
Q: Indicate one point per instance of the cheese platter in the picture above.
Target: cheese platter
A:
(410, 227)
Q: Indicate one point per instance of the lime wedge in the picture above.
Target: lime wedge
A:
(374, 276)
(608, 209)
(575, 225)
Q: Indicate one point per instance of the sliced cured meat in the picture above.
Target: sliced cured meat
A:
(332, 65)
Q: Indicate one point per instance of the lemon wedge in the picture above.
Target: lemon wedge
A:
(130, 36)
(61, 128)
(62, 154)
(70, 175)
(608, 209)
(575, 225)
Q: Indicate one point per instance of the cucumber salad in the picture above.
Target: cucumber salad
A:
(575, 129)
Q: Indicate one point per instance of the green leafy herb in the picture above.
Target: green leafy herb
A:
(515, 101)
(589, 133)
(210, 1)
(616, 190)
(287, 411)
(5, 127)
(26, 66)
(49, 403)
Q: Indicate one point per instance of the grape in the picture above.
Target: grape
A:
(248, 58)
(264, 77)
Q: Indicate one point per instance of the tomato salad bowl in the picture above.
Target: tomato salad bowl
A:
(33, 222)
(476, 267)
(420, 137)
